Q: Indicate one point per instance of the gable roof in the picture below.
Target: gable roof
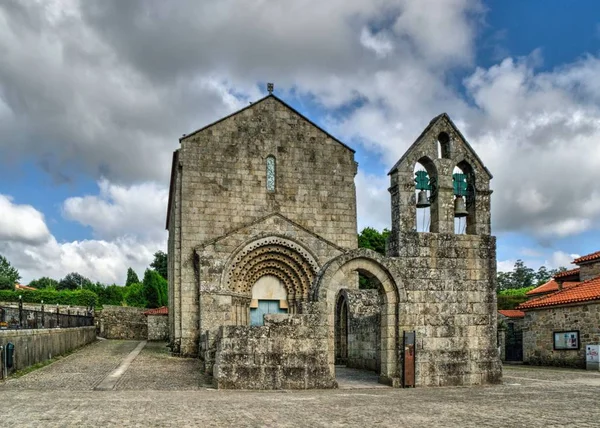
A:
(254, 104)
(582, 292)
(565, 273)
(587, 258)
(260, 220)
(426, 130)
(163, 310)
(511, 313)
(550, 287)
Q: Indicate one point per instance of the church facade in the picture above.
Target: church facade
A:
(264, 265)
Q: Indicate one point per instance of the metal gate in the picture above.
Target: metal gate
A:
(514, 343)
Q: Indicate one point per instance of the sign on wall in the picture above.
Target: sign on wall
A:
(566, 340)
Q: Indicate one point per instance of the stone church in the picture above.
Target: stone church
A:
(264, 265)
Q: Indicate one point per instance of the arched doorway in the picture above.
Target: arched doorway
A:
(268, 275)
(341, 331)
(340, 274)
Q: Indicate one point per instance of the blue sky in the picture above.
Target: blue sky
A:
(91, 106)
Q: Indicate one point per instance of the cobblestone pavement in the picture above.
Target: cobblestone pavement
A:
(82, 370)
(158, 390)
(155, 369)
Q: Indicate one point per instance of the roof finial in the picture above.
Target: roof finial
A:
(270, 87)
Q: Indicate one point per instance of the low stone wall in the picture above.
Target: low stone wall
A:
(364, 329)
(288, 352)
(158, 327)
(540, 324)
(36, 346)
(122, 322)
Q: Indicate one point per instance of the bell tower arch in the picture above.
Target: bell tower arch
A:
(425, 177)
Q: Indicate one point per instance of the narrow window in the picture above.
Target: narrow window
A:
(271, 173)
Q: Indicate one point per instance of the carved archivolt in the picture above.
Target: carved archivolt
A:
(293, 265)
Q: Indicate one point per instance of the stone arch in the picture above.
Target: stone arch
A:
(277, 256)
(433, 211)
(470, 199)
(338, 274)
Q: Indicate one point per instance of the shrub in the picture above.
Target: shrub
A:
(134, 295)
(51, 297)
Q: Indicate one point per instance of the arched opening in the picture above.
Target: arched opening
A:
(443, 145)
(273, 269)
(463, 181)
(425, 195)
(372, 318)
(341, 331)
(271, 173)
(269, 296)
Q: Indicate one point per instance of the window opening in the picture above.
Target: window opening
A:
(459, 184)
(271, 173)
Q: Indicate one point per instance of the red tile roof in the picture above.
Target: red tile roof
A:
(158, 311)
(512, 313)
(567, 273)
(581, 292)
(549, 287)
(587, 258)
(24, 287)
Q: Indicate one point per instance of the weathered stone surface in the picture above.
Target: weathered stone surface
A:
(227, 231)
(540, 324)
(158, 327)
(288, 352)
(39, 345)
(120, 322)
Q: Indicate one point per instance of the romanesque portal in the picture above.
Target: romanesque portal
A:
(264, 264)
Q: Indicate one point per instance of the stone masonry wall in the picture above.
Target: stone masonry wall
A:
(540, 324)
(450, 286)
(158, 327)
(589, 270)
(121, 322)
(288, 352)
(36, 346)
(216, 297)
(364, 329)
(220, 186)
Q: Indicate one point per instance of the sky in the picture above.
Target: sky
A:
(95, 94)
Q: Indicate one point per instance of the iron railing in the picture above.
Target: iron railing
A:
(14, 318)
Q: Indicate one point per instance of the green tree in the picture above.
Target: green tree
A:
(373, 239)
(9, 275)
(132, 277)
(74, 281)
(522, 275)
(43, 283)
(134, 295)
(159, 264)
(504, 281)
(154, 285)
(542, 276)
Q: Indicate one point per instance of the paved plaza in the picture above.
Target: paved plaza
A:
(158, 390)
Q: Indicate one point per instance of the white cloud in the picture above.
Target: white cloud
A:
(138, 210)
(505, 265)
(127, 222)
(373, 202)
(99, 260)
(561, 259)
(121, 82)
(21, 223)
(378, 43)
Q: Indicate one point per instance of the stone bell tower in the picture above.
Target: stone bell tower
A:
(449, 266)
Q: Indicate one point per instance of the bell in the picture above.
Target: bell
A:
(422, 200)
(460, 210)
